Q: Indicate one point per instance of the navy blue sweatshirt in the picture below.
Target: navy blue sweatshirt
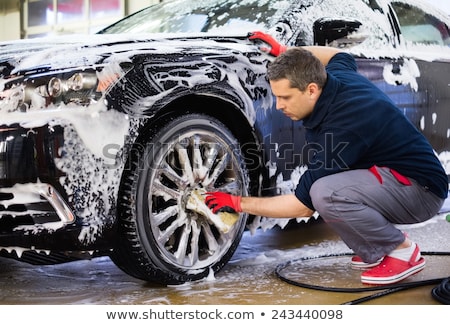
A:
(354, 125)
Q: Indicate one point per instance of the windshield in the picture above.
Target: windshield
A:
(199, 16)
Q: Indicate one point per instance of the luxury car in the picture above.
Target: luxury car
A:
(107, 139)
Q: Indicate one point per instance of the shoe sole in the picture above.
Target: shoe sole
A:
(393, 279)
(362, 265)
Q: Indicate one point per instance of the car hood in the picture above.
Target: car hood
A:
(29, 56)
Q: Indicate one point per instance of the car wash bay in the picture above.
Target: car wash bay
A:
(249, 278)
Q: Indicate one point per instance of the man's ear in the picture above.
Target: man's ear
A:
(313, 90)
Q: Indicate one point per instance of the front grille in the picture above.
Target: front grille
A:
(17, 155)
(27, 168)
(14, 212)
(3, 147)
(38, 202)
(28, 155)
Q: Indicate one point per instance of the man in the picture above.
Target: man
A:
(378, 170)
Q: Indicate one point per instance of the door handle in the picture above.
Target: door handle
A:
(396, 67)
(402, 72)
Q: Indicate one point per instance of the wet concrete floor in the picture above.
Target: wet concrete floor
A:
(249, 278)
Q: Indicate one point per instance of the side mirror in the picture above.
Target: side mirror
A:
(337, 32)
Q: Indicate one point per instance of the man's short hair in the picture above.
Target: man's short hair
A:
(300, 67)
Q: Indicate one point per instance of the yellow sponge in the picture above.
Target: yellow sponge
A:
(224, 221)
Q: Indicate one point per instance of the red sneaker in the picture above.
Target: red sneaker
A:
(358, 263)
(392, 270)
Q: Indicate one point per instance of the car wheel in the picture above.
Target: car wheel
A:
(161, 238)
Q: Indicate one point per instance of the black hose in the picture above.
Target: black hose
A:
(441, 292)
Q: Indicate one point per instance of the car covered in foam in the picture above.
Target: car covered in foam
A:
(106, 139)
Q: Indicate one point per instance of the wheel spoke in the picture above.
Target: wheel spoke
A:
(161, 190)
(199, 169)
(212, 243)
(193, 257)
(180, 253)
(165, 214)
(186, 167)
(217, 171)
(165, 235)
(211, 155)
(167, 171)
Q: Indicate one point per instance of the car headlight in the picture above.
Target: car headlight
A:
(54, 88)
(43, 91)
(79, 82)
(79, 88)
(47, 90)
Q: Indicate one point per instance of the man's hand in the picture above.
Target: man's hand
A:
(267, 43)
(219, 202)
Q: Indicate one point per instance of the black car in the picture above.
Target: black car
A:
(106, 139)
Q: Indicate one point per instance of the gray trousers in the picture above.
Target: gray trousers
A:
(364, 212)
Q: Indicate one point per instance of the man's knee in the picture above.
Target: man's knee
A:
(321, 193)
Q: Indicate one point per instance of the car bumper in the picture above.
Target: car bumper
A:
(35, 209)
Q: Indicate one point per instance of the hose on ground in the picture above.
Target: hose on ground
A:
(441, 292)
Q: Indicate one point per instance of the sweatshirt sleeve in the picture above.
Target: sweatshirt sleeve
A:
(342, 61)
(302, 190)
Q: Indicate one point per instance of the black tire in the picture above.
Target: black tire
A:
(160, 240)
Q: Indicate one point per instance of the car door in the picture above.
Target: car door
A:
(425, 45)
